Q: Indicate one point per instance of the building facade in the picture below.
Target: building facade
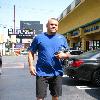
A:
(80, 23)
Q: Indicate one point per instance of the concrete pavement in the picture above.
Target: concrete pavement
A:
(15, 81)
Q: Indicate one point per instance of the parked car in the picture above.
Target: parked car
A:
(73, 53)
(24, 52)
(85, 66)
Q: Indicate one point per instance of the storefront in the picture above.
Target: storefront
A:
(86, 37)
(81, 25)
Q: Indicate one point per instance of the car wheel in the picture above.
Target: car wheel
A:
(96, 77)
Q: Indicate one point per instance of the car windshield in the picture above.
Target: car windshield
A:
(88, 54)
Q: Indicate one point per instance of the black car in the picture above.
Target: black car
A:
(73, 53)
(85, 66)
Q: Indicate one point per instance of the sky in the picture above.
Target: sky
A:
(30, 10)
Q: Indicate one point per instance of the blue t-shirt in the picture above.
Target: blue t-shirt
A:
(46, 46)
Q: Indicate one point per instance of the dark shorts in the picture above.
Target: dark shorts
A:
(54, 83)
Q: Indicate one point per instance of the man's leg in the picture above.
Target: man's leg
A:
(41, 87)
(54, 98)
(55, 87)
(40, 99)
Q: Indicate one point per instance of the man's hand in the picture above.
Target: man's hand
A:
(32, 70)
(63, 55)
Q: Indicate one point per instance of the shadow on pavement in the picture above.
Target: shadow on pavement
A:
(94, 93)
(73, 82)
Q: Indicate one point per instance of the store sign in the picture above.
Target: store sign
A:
(93, 28)
(21, 33)
(19, 45)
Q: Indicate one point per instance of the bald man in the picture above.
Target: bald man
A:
(48, 70)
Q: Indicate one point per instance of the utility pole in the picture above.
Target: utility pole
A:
(13, 31)
(14, 19)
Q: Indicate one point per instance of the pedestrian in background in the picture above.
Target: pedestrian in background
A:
(48, 70)
(0, 64)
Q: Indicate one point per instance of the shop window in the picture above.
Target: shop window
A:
(94, 44)
(77, 2)
(68, 8)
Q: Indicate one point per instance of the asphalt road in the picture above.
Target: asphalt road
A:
(17, 84)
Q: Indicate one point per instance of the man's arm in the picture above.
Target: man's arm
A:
(32, 69)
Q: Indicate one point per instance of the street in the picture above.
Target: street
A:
(16, 83)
